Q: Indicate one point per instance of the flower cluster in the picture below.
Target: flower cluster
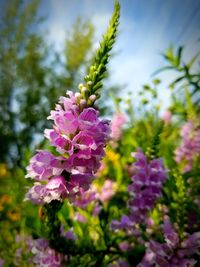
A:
(145, 190)
(96, 194)
(2, 261)
(44, 255)
(189, 147)
(174, 252)
(167, 117)
(79, 136)
(38, 252)
(118, 122)
(106, 191)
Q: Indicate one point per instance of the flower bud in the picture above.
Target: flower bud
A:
(93, 98)
(89, 83)
(80, 86)
(83, 103)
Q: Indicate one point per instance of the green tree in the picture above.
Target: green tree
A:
(29, 81)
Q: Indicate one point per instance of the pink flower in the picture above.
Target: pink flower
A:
(80, 137)
(43, 255)
(80, 218)
(173, 252)
(43, 165)
(107, 191)
(145, 190)
(167, 116)
(2, 261)
(55, 189)
(118, 122)
(146, 187)
(84, 198)
(189, 148)
(62, 143)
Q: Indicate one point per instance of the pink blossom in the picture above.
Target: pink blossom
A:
(84, 198)
(44, 255)
(145, 190)
(2, 261)
(189, 148)
(173, 252)
(80, 218)
(44, 165)
(80, 137)
(118, 122)
(56, 188)
(107, 191)
(167, 116)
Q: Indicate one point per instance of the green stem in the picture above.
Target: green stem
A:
(98, 68)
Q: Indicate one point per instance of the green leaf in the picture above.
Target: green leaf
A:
(99, 66)
(193, 60)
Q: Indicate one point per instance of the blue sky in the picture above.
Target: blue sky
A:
(147, 27)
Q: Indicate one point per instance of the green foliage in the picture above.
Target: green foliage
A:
(29, 81)
(98, 68)
(77, 46)
(187, 74)
(180, 201)
(153, 150)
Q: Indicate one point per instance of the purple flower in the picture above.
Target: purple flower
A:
(80, 137)
(44, 255)
(84, 198)
(80, 217)
(36, 194)
(55, 189)
(69, 234)
(146, 187)
(124, 246)
(189, 148)
(62, 143)
(107, 191)
(44, 165)
(2, 261)
(173, 252)
(145, 190)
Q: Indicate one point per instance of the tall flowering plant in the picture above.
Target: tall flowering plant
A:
(79, 137)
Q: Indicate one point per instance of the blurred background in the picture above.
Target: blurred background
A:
(45, 49)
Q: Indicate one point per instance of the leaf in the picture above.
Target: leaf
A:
(156, 81)
(193, 60)
(162, 69)
(176, 81)
(98, 68)
(179, 54)
(191, 174)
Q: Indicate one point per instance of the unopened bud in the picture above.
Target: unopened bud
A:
(89, 83)
(83, 89)
(77, 94)
(83, 103)
(92, 68)
(84, 93)
(80, 86)
(93, 98)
